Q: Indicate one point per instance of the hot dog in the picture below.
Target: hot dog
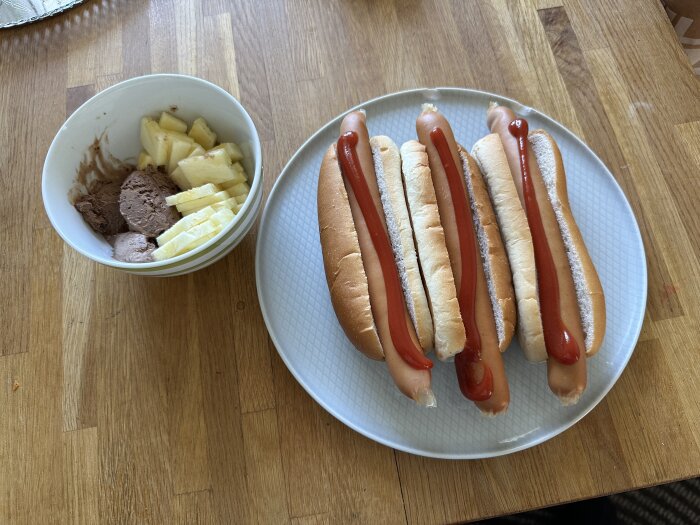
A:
(360, 256)
(561, 307)
(479, 265)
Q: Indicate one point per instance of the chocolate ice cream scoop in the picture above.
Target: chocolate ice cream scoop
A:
(142, 202)
(100, 208)
(132, 247)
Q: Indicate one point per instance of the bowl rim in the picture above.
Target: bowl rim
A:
(192, 255)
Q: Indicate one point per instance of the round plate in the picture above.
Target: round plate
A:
(358, 391)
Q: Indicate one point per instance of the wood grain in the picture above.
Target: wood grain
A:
(81, 475)
(132, 400)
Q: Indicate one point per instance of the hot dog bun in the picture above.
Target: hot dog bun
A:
(450, 337)
(407, 366)
(569, 289)
(491, 159)
(493, 253)
(589, 291)
(480, 369)
(345, 273)
(387, 166)
(342, 260)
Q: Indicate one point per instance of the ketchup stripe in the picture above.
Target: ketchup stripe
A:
(398, 329)
(558, 341)
(474, 376)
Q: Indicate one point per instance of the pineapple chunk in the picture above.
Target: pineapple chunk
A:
(198, 204)
(239, 189)
(213, 167)
(190, 195)
(234, 204)
(185, 224)
(144, 160)
(240, 169)
(180, 136)
(179, 150)
(171, 123)
(229, 203)
(234, 152)
(187, 240)
(201, 133)
(240, 175)
(180, 179)
(222, 217)
(197, 150)
(240, 199)
(237, 179)
(217, 148)
(155, 141)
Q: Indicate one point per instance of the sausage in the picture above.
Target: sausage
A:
(566, 381)
(484, 314)
(412, 382)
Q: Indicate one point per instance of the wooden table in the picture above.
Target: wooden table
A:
(135, 400)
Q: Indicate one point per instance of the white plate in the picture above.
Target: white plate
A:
(358, 391)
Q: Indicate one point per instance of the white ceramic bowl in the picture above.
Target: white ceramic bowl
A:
(116, 112)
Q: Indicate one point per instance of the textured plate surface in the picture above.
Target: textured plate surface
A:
(19, 12)
(358, 391)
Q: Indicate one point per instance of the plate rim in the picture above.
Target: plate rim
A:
(519, 108)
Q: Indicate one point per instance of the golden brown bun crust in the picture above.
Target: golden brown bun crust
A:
(450, 336)
(345, 273)
(589, 291)
(498, 276)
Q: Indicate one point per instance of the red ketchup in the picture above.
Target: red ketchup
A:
(474, 376)
(352, 171)
(558, 340)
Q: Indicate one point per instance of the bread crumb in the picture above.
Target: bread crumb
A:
(15, 385)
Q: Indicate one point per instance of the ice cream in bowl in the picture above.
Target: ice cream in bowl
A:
(158, 175)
